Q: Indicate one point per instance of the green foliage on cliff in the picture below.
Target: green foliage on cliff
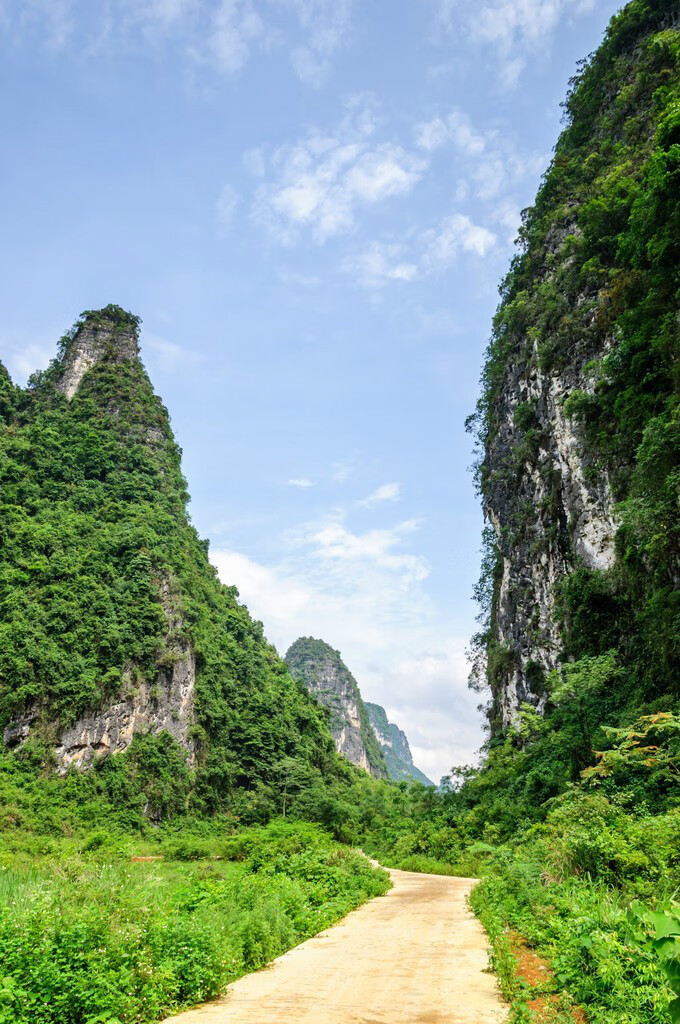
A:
(323, 673)
(596, 286)
(104, 582)
(576, 811)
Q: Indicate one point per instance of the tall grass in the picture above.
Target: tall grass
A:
(87, 938)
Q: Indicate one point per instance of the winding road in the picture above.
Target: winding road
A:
(415, 956)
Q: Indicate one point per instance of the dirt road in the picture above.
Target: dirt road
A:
(414, 956)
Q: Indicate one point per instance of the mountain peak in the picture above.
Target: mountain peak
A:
(323, 673)
(109, 334)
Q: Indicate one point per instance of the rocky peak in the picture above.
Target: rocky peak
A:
(323, 673)
(109, 334)
(395, 747)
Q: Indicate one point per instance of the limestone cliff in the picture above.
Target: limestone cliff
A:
(395, 747)
(578, 383)
(323, 673)
(113, 623)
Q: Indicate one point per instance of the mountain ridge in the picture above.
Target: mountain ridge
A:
(395, 747)
(321, 670)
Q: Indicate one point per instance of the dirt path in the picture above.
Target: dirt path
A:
(414, 956)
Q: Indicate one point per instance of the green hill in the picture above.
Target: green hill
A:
(114, 622)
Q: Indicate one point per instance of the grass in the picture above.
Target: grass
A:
(89, 937)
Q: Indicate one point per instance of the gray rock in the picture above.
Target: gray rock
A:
(395, 747)
(322, 671)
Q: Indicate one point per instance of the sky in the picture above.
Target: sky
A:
(311, 204)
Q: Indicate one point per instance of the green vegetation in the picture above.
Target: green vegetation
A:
(595, 288)
(103, 581)
(89, 937)
(578, 809)
(573, 818)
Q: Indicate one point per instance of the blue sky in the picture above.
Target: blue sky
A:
(310, 203)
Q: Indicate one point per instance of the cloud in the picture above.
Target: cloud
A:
(514, 28)
(388, 492)
(320, 183)
(431, 251)
(456, 128)
(23, 360)
(341, 470)
(56, 18)
(326, 24)
(300, 481)
(364, 594)
(455, 234)
(167, 355)
(219, 34)
(236, 25)
(164, 13)
(380, 263)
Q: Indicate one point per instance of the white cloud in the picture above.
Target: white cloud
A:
(341, 470)
(514, 28)
(300, 481)
(331, 545)
(222, 34)
(455, 234)
(236, 25)
(456, 128)
(326, 24)
(363, 593)
(23, 360)
(321, 182)
(55, 17)
(164, 13)
(166, 355)
(429, 252)
(388, 492)
(380, 263)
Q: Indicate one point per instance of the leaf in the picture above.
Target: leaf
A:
(674, 1010)
(663, 924)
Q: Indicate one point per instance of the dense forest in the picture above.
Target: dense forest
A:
(145, 714)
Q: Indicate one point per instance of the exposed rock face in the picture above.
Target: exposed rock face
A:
(395, 747)
(323, 673)
(165, 704)
(557, 514)
(579, 366)
(95, 340)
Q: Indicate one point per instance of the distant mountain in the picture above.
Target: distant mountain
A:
(324, 674)
(395, 748)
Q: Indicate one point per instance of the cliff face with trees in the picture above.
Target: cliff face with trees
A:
(395, 747)
(323, 673)
(113, 620)
(578, 420)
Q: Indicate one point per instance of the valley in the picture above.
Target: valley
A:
(181, 804)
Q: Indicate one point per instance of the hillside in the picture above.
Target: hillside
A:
(578, 421)
(113, 619)
(395, 747)
(323, 673)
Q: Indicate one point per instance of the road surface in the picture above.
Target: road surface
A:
(414, 956)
